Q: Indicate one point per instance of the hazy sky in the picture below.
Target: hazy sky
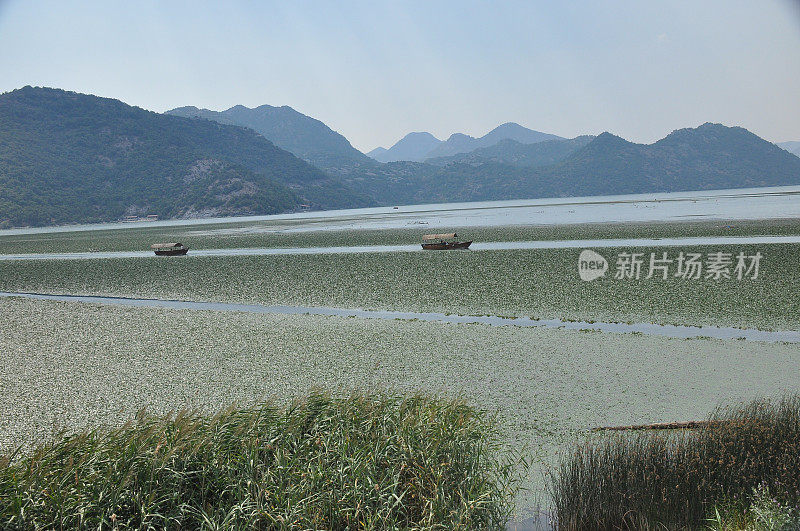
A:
(375, 71)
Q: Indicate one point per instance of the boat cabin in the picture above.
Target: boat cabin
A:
(169, 249)
(438, 242)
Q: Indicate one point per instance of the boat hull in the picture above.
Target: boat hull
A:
(444, 246)
(172, 252)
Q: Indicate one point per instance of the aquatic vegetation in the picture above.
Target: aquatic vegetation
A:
(365, 461)
(75, 366)
(760, 512)
(639, 481)
(536, 283)
(307, 233)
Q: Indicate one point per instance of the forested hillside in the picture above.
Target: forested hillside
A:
(68, 157)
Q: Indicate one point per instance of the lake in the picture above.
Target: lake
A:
(739, 204)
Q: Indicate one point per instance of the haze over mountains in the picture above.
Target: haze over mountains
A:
(421, 146)
(791, 147)
(511, 152)
(711, 156)
(413, 147)
(512, 162)
(68, 157)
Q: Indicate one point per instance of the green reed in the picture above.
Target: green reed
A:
(680, 480)
(363, 462)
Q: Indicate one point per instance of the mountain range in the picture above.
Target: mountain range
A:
(301, 135)
(511, 152)
(69, 158)
(711, 156)
(421, 146)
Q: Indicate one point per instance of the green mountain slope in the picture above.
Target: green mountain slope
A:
(305, 137)
(68, 157)
(711, 156)
(517, 154)
(708, 157)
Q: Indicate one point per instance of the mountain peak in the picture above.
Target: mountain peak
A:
(710, 156)
(105, 159)
(461, 143)
(709, 133)
(459, 137)
(188, 108)
(413, 147)
(606, 142)
(706, 128)
(304, 136)
(420, 134)
(714, 125)
(605, 136)
(377, 152)
(508, 127)
(510, 152)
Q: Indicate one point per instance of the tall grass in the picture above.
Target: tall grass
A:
(678, 481)
(363, 462)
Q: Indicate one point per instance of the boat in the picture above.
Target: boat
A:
(441, 242)
(169, 249)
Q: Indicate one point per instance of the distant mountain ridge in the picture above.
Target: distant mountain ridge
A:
(791, 147)
(711, 156)
(516, 154)
(305, 137)
(377, 152)
(68, 157)
(75, 158)
(461, 143)
(413, 147)
(420, 146)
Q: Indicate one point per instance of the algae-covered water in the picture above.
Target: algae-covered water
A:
(405, 320)
(72, 364)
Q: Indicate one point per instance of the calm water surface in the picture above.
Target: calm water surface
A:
(480, 246)
(740, 204)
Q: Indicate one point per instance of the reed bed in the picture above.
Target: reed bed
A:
(684, 480)
(362, 462)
